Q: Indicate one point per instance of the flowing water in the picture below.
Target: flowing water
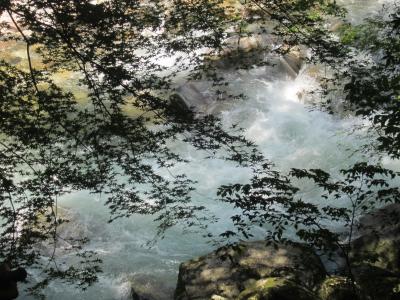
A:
(361, 9)
(287, 131)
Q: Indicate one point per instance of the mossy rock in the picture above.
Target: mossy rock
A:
(339, 288)
(379, 244)
(229, 270)
(379, 251)
(218, 297)
(276, 288)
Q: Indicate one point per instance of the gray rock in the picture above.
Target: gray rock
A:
(147, 287)
(192, 98)
(292, 63)
(383, 220)
(379, 241)
(196, 97)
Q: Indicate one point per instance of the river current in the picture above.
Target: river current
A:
(275, 118)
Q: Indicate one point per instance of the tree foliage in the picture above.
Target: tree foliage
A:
(116, 140)
(52, 143)
(365, 72)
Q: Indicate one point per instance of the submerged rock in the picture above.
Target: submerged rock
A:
(71, 232)
(230, 270)
(147, 287)
(136, 296)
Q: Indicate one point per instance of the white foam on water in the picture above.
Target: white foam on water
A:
(287, 132)
(361, 9)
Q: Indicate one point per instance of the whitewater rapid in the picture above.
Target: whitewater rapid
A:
(276, 119)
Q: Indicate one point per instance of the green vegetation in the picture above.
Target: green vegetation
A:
(52, 144)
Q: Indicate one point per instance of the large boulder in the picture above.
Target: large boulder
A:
(190, 97)
(379, 241)
(198, 98)
(250, 55)
(375, 254)
(230, 270)
(338, 288)
(377, 283)
(276, 288)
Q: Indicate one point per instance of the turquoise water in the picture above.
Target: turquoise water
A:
(288, 133)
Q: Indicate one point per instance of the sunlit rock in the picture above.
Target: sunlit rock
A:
(338, 288)
(228, 271)
(292, 62)
(276, 288)
(217, 297)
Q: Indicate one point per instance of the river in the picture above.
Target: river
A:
(287, 132)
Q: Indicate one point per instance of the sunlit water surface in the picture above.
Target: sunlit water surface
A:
(287, 131)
